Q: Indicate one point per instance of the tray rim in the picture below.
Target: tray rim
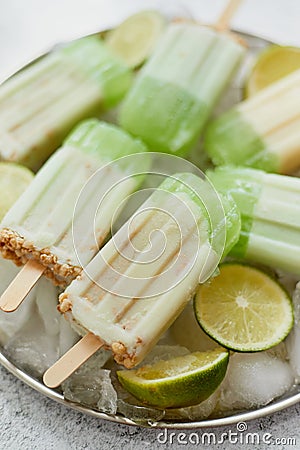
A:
(275, 406)
(160, 424)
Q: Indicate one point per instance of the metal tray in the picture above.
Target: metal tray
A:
(233, 95)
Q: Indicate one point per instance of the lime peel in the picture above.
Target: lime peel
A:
(178, 382)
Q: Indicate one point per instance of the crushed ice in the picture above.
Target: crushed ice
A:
(32, 336)
(254, 380)
(36, 335)
(91, 385)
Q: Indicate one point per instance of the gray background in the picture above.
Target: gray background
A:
(28, 27)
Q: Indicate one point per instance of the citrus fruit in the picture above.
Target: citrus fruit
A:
(183, 381)
(272, 64)
(14, 179)
(244, 309)
(135, 38)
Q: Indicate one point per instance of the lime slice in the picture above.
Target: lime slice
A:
(14, 179)
(135, 38)
(244, 309)
(273, 63)
(182, 381)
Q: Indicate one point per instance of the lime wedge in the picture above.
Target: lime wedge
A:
(135, 38)
(14, 179)
(273, 64)
(244, 309)
(178, 382)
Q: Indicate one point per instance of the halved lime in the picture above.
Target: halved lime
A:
(178, 382)
(136, 37)
(244, 309)
(272, 64)
(14, 179)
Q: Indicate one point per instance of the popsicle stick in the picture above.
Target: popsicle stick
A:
(223, 22)
(13, 296)
(71, 360)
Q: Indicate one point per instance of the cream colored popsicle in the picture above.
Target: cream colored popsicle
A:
(40, 105)
(262, 132)
(270, 211)
(140, 281)
(47, 228)
(175, 92)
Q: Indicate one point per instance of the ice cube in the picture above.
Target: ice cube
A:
(279, 351)
(196, 412)
(11, 323)
(107, 401)
(35, 347)
(287, 280)
(187, 332)
(91, 386)
(254, 380)
(293, 349)
(166, 339)
(31, 348)
(46, 300)
(93, 364)
(67, 336)
(163, 353)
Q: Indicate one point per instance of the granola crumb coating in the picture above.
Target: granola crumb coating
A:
(20, 251)
(122, 356)
(65, 305)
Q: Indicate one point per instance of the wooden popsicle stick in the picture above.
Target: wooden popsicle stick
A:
(71, 360)
(16, 292)
(223, 22)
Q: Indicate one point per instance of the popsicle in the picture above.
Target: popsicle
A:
(270, 212)
(177, 89)
(141, 280)
(262, 132)
(40, 229)
(41, 104)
